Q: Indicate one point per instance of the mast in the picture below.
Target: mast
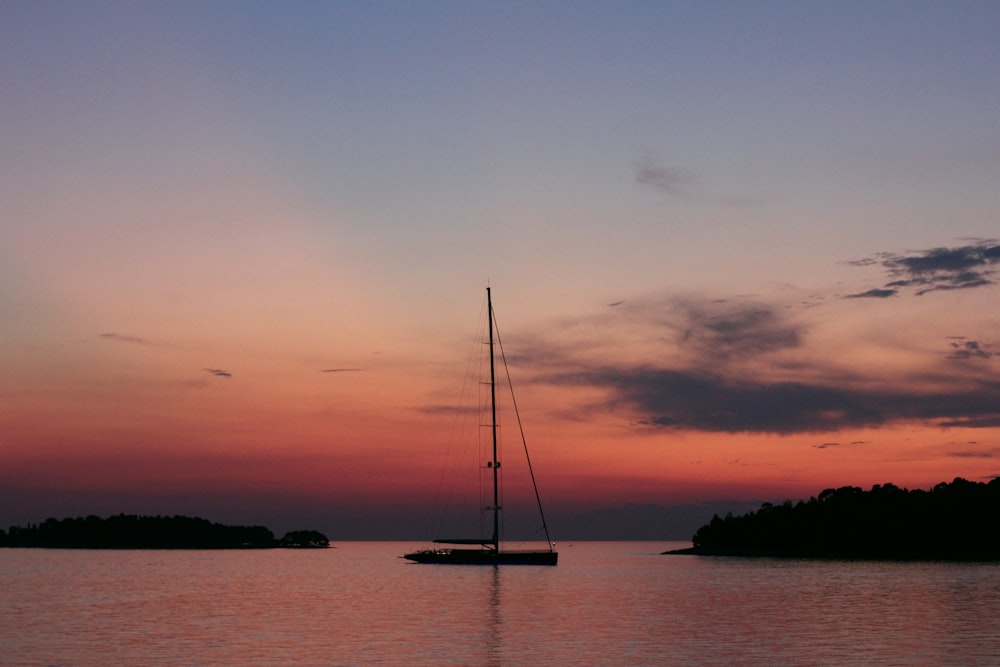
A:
(490, 553)
(493, 427)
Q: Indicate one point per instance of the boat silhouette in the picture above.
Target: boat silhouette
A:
(489, 550)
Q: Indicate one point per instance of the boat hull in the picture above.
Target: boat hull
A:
(483, 557)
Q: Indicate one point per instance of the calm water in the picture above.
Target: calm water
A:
(616, 603)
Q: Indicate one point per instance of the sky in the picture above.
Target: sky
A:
(739, 252)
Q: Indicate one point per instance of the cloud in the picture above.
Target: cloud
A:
(723, 330)
(991, 421)
(450, 410)
(976, 454)
(341, 370)
(120, 338)
(218, 372)
(936, 269)
(746, 365)
(740, 366)
(735, 335)
(875, 293)
(701, 401)
(665, 179)
(827, 445)
(963, 348)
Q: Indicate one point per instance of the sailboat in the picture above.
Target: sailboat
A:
(489, 550)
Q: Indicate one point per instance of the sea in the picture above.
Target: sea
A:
(606, 603)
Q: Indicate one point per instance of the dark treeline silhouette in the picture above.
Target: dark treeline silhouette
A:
(128, 531)
(956, 521)
(304, 539)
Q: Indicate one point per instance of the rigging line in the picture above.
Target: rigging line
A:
(447, 496)
(524, 440)
(482, 401)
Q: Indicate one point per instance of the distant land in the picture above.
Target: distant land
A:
(128, 531)
(956, 521)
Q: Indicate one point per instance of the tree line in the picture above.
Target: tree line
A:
(129, 531)
(953, 521)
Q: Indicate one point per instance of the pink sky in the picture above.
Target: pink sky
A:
(737, 256)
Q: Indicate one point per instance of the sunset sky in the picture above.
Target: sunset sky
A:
(739, 252)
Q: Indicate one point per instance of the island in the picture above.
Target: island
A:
(957, 521)
(129, 531)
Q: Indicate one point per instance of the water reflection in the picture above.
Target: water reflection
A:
(494, 637)
(604, 604)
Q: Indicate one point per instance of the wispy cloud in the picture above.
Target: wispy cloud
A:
(991, 453)
(988, 421)
(875, 293)
(341, 370)
(828, 445)
(692, 331)
(936, 269)
(218, 372)
(963, 348)
(121, 338)
(668, 180)
(720, 330)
